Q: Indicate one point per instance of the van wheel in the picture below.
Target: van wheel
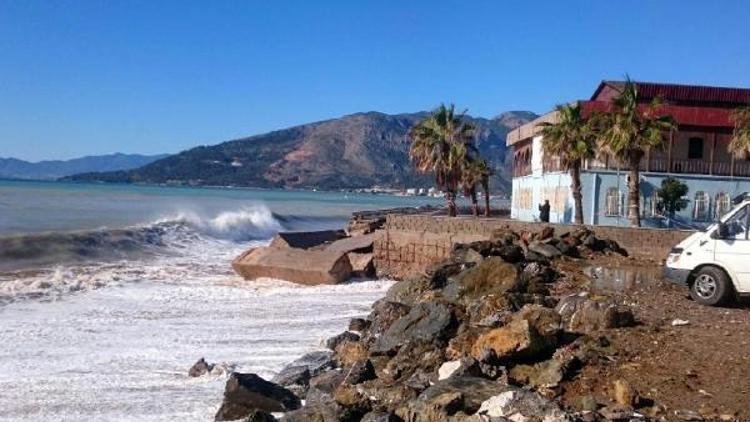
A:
(711, 287)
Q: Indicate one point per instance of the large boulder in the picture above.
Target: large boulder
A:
(515, 404)
(450, 399)
(296, 375)
(334, 341)
(362, 264)
(432, 321)
(296, 265)
(581, 314)
(491, 276)
(200, 368)
(245, 393)
(519, 339)
(384, 313)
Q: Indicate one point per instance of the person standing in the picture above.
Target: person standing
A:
(544, 211)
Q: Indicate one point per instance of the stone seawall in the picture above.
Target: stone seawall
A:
(409, 243)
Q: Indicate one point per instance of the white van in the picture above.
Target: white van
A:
(715, 263)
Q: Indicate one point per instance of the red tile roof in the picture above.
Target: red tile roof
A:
(682, 93)
(689, 116)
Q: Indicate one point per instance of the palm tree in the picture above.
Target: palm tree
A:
(440, 146)
(473, 174)
(740, 143)
(628, 132)
(486, 172)
(571, 139)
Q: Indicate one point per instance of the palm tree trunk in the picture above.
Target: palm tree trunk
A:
(474, 203)
(634, 190)
(486, 189)
(575, 186)
(450, 199)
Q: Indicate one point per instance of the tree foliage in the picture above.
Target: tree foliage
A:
(672, 194)
(571, 139)
(441, 144)
(628, 131)
(739, 146)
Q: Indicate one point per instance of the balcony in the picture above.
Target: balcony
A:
(657, 165)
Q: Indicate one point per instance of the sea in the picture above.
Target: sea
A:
(109, 294)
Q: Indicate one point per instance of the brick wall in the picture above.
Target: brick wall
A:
(408, 243)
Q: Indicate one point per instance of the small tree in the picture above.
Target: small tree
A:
(672, 194)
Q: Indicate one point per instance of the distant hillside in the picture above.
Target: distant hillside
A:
(13, 168)
(354, 151)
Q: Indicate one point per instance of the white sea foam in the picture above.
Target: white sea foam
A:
(113, 339)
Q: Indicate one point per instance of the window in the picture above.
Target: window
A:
(721, 205)
(737, 225)
(612, 206)
(695, 148)
(700, 206)
(656, 204)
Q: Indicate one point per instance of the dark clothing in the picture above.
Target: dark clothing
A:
(544, 212)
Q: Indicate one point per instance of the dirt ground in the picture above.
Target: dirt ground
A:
(703, 366)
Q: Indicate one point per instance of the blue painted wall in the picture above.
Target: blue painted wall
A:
(595, 185)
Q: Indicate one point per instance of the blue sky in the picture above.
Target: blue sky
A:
(92, 77)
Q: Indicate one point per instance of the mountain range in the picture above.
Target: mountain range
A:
(355, 151)
(13, 168)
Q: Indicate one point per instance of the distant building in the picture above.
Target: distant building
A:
(411, 191)
(696, 153)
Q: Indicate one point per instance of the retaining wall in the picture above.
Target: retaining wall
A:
(409, 243)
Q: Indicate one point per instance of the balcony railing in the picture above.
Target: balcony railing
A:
(660, 165)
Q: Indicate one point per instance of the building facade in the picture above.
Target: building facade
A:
(696, 153)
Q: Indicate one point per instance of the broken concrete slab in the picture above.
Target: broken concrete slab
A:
(305, 240)
(360, 243)
(301, 266)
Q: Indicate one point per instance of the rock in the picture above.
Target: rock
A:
(380, 417)
(361, 244)
(517, 340)
(547, 374)
(315, 362)
(384, 313)
(200, 368)
(415, 356)
(515, 404)
(296, 265)
(491, 276)
(245, 393)
(464, 253)
(680, 322)
(623, 394)
(688, 415)
(546, 321)
(359, 324)
(460, 345)
(334, 341)
(329, 412)
(546, 250)
(349, 352)
(449, 398)
(490, 311)
(583, 315)
(509, 253)
(362, 264)
(462, 367)
(304, 240)
(259, 416)
(294, 378)
(588, 403)
(535, 271)
(503, 237)
(360, 371)
(431, 321)
(546, 233)
(350, 398)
